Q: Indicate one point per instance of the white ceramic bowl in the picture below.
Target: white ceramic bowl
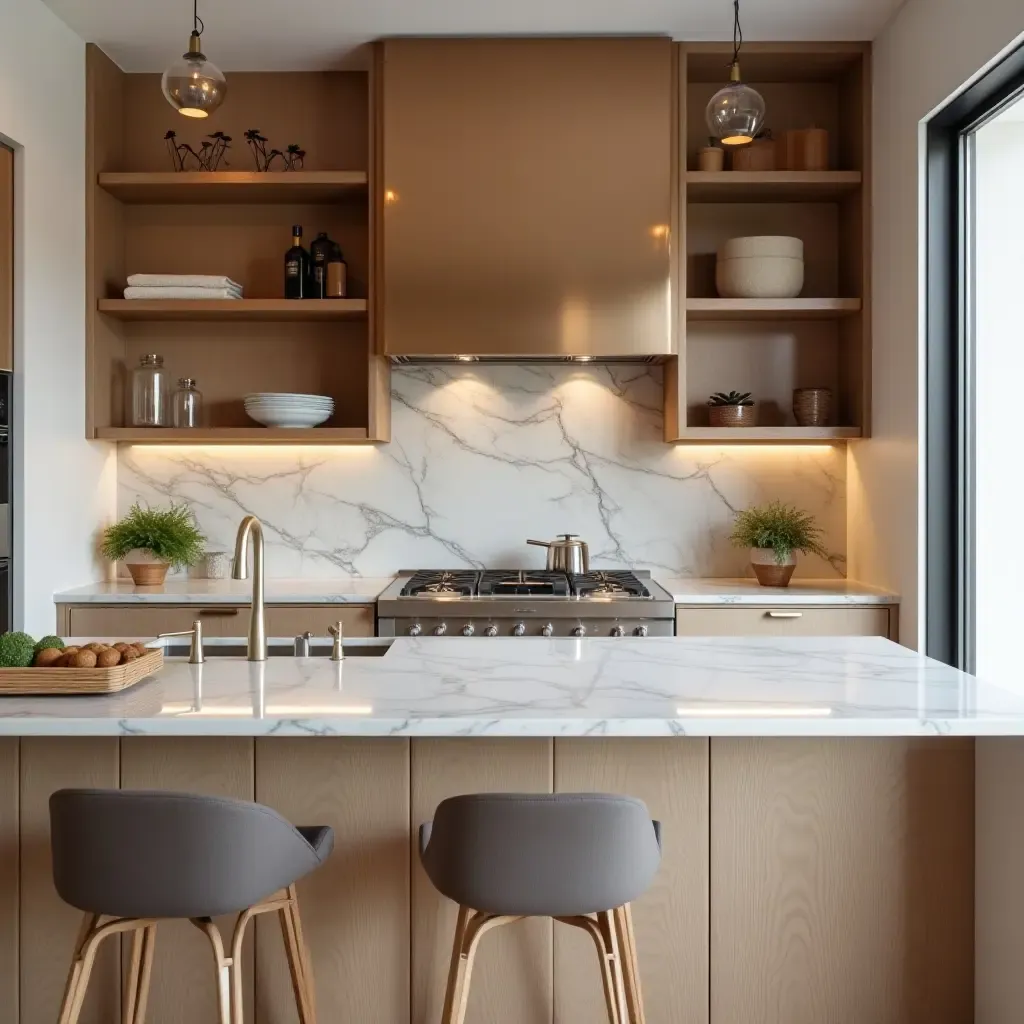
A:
(759, 277)
(283, 395)
(762, 245)
(292, 419)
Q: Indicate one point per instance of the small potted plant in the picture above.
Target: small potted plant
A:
(774, 533)
(151, 540)
(735, 409)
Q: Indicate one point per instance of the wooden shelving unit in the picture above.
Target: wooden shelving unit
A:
(770, 186)
(762, 310)
(234, 186)
(234, 435)
(256, 310)
(143, 217)
(771, 347)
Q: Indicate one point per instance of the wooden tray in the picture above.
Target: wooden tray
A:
(26, 682)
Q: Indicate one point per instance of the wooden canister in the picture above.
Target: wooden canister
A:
(806, 149)
(711, 158)
(758, 155)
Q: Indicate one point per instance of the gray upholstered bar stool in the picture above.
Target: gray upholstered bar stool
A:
(580, 858)
(129, 859)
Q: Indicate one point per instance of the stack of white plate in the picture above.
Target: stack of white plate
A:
(283, 410)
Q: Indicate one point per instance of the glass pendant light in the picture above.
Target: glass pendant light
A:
(735, 114)
(193, 85)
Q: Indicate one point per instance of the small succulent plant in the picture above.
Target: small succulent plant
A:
(732, 398)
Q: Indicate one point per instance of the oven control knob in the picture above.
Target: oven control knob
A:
(547, 629)
(618, 631)
(640, 631)
(415, 629)
(579, 630)
(491, 630)
(468, 629)
(519, 629)
(440, 629)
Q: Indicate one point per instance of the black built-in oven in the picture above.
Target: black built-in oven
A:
(6, 490)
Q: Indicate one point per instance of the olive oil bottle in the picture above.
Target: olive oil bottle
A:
(296, 268)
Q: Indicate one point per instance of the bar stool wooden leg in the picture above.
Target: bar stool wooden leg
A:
(296, 964)
(223, 964)
(630, 963)
(606, 919)
(136, 990)
(455, 967)
(89, 922)
(475, 927)
(303, 952)
(593, 929)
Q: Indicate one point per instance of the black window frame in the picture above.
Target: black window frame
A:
(949, 357)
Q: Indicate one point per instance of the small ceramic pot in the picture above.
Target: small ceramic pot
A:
(146, 570)
(812, 407)
(217, 565)
(732, 416)
(768, 571)
(711, 158)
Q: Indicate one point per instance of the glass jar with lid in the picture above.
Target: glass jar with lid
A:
(187, 407)
(149, 393)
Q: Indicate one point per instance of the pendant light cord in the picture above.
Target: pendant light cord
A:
(199, 28)
(737, 32)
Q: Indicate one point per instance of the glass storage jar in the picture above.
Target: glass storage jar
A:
(188, 404)
(149, 393)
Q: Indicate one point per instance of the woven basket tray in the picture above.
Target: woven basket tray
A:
(24, 682)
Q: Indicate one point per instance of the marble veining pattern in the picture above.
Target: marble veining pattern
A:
(483, 457)
(738, 686)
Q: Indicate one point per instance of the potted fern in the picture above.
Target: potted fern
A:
(151, 540)
(774, 533)
(731, 409)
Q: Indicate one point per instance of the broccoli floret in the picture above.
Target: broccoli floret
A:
(50, 641)
(16, 650)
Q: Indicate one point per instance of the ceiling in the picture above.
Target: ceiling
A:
(291, 35)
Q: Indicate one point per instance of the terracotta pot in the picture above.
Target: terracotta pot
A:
(768, 571)
(812, 407)
(732, 416)
(148, 574)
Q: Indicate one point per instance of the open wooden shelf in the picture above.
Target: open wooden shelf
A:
(235, 186)
(296, 310)
(795, 435)
(711, 310)
(234, 435)
(770, 186)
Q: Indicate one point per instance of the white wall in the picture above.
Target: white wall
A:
(64, 485)
(931, 49)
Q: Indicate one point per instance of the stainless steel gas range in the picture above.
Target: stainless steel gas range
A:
(498, 602)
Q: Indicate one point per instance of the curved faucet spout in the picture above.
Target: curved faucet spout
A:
(251, 526)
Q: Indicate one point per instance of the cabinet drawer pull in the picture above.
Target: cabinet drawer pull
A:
(219, 612)
(785, 615)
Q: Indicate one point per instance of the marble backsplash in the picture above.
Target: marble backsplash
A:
(483, 457)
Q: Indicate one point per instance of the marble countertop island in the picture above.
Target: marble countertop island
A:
(452, 686)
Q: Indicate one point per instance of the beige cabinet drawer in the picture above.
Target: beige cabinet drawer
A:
(218, 620)
(783, 620)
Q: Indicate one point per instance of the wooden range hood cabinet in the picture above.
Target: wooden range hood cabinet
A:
(527, 197)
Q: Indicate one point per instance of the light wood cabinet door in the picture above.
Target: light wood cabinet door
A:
(527, 196)
(784, 620)
(283, 620)
(842, 880)
(6, 259)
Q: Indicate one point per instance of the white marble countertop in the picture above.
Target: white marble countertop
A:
(748, 591)
(344, 590)
(452, 686)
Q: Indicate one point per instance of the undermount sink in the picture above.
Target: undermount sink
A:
(281, 647)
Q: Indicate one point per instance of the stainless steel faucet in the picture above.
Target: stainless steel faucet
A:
(257, 649)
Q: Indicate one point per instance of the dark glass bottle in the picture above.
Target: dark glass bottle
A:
(296, 268)
(319, 253)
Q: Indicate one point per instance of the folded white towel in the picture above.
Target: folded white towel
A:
(181, 281)
(181, 293)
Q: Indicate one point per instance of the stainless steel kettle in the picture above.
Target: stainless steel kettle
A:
(567, 554)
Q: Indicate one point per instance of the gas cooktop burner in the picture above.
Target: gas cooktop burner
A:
(428, 583)
(497, 582)
(613, 583)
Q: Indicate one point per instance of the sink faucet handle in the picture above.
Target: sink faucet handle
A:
(337, 650)
(195, 654)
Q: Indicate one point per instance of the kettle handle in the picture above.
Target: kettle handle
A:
(540, 543)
